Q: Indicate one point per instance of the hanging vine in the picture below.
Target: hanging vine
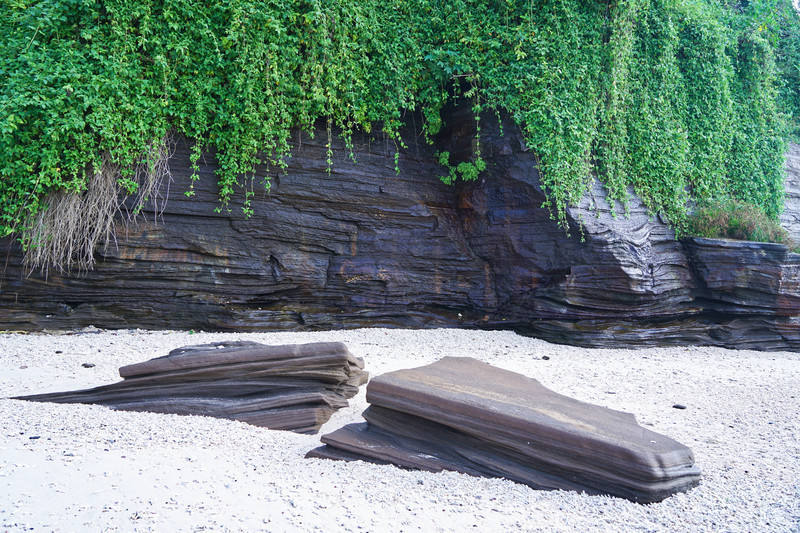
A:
(676, 99)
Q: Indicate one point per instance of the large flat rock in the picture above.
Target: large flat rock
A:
(462, 414)
(292, 387)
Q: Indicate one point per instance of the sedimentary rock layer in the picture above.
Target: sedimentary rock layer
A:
(292, 387)
(360, 244)
(461, 414)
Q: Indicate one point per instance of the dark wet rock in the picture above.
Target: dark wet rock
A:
(360, 244)
(746, 278)
(464, 415)
(707, 329)
(292, 387)
(357, 246)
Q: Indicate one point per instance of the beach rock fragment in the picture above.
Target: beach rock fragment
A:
(464, 415)
(294, 387)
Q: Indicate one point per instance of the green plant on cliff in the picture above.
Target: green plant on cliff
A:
(734, 219)
(677, 99)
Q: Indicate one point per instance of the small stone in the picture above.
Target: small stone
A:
(59, 351)
(88, 365)
(679, 406)
(546, 357)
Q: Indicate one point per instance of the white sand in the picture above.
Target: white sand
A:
(76, 467)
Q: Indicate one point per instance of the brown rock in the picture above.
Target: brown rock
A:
(461, 414)
(293, 387)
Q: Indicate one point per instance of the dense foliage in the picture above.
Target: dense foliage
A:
(676, 98)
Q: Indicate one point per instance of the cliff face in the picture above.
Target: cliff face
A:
(790, 219)
(362, 245)
(356, 246)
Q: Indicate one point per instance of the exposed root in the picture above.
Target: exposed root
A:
(66, 233)
(151, 174)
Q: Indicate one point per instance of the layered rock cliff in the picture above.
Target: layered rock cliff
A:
(360, 244)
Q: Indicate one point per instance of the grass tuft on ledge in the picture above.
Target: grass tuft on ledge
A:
(733, 219)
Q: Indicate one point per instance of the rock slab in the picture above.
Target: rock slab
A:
(292, 387)
(464, 415)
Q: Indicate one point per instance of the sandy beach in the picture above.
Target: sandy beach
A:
(88, 468)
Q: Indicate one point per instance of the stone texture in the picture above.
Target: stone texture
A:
(293, 387)
(746, 278)
(625, 268)
(464, 415)
(790, 218)
(360, 244)
(750, 333)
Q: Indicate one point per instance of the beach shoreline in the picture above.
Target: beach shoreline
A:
(66, 467)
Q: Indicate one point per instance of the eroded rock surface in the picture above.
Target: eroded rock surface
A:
(360, 244)
(464, 415)
(295, 387)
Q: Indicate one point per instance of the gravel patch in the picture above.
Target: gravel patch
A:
(81, 467)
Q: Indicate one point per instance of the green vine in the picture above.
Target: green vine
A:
(674, 99)
(466, 170)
